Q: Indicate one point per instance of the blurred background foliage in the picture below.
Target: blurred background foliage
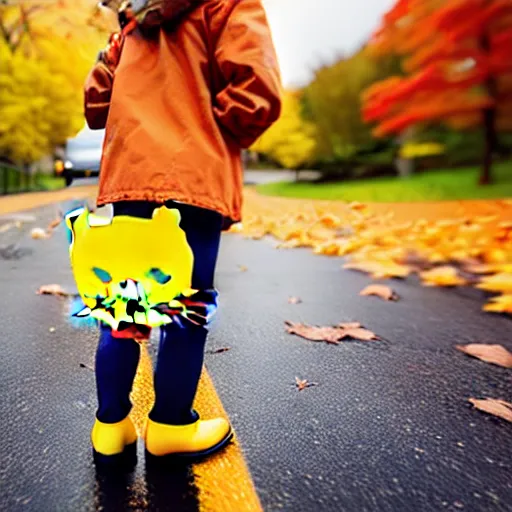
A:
(47, 48)
(431, 89)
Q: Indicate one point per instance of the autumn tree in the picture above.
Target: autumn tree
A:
(459, 71)
(291, 141)
(333, 101)
(46, 50)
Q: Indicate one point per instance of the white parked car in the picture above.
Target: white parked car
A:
(82, 155)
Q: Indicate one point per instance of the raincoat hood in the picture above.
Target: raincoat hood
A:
(151, 13)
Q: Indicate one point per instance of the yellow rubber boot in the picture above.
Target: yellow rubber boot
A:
(114, 444)
(196, 440)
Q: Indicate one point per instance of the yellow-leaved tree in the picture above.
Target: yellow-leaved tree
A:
(291, 141)
(46, 51)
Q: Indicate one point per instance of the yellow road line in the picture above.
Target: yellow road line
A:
(223, 480)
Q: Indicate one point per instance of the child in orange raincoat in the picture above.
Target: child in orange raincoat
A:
(181, 90)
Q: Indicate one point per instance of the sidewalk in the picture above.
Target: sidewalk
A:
(19, 202)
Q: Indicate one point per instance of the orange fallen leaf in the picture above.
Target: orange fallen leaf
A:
(330, 220)
(303, 383)
(357, 206)
(495, 354)
(494, 406)
(294, 300)
(379, 290)
(39, 234)
(442, 276)
(500, 304)
(52, 289)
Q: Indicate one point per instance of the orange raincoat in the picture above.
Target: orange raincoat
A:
(179, 106)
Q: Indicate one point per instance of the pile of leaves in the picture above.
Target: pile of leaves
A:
(469, 250)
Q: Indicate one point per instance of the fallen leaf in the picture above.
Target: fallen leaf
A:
(501, 282)
(327, 334)
(332, 335)
(218, 350)
(236, 228)
(303, 383)
(349, 325)
(380, 269)
(479, 268)
(494, 406)
(442, 276)
(54, 223)
(294, 300)
(359, 333)
(330, 220)
(39, 234)
(52, 289)
(500, 304)
(379, 290)
(495, 354)
(357, 206)
(242, 268)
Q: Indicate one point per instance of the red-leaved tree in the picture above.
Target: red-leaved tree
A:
(458, 65)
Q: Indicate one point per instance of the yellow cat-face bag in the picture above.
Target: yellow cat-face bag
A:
(134, 274)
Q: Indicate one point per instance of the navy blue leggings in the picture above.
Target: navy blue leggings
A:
(181, 349)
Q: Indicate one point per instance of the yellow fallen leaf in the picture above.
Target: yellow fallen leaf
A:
(495, 407)
(500, 304)
(495, 255)
(442, 276)
(479, 268)
(379, 290)
(497, 283)
(236, 228)
(379, 269)
(495, 354)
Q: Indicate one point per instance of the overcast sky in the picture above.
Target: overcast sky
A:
(309, 32)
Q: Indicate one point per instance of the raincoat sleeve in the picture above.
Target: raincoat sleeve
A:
(250, 100)
(98, 86)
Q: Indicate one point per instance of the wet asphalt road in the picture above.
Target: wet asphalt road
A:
(387, 428)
